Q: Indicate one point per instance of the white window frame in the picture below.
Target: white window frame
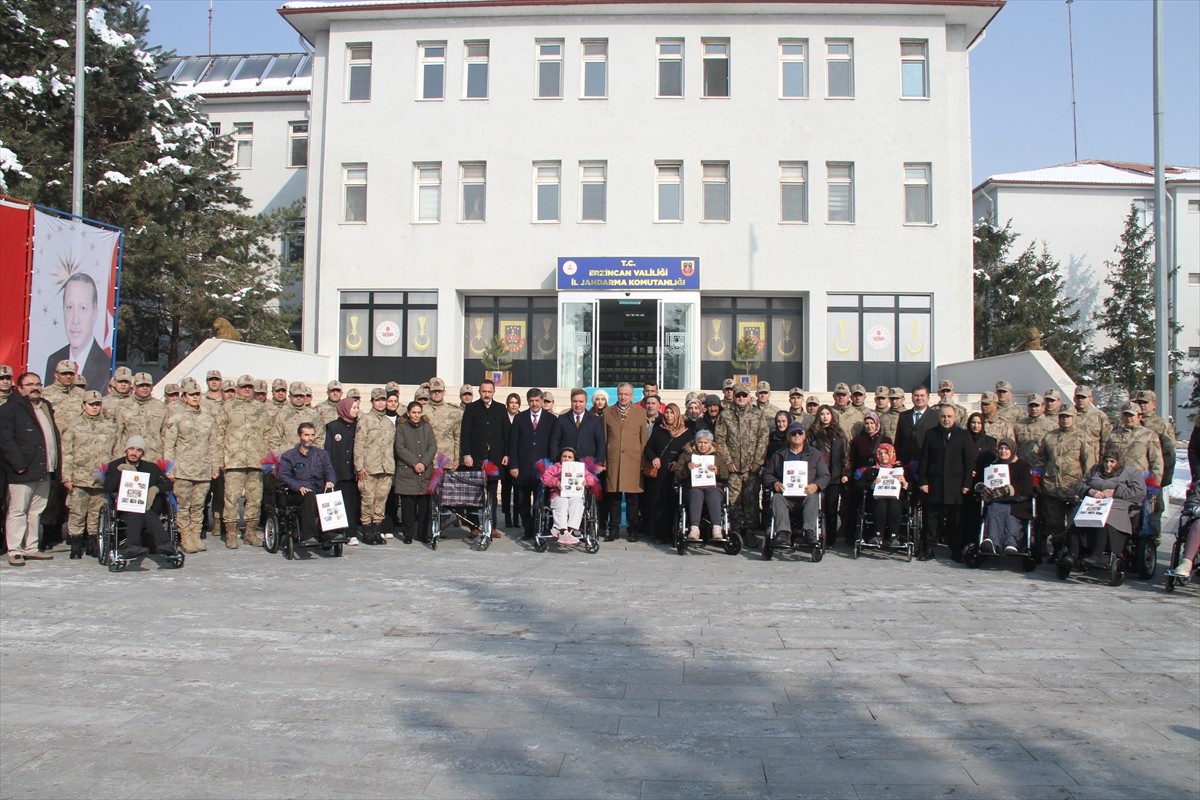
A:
(793, 175)
(427, 59)
(1193, 206)
(476, 56)
(786, 58)
(832, 58)
(242, 139)
(1193, 279)
(472, 174)
(295, 136)
(909, 57)
(918, 176)
(839, 174)
(545, 55)
(358, 58)
(547, 174)
(593, 53)
(714, 175)
(714, 51)
(354, 176)
(668, 173)
(427, 183)
(591, 175)
(663, 49)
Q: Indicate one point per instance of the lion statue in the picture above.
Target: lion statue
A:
(223, 329)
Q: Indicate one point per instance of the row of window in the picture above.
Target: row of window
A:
(242, 139)
(547, 180)
(549, 55)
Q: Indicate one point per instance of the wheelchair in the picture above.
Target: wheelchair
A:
(1114, 564)
(732, 545)
(772, 544)
(111, 536)
(905, 544)
(460, 496)
(1185, 520)
(589, 529)
(281, 529)
(973, 554)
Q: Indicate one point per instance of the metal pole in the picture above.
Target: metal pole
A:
(1071, 50)
(77, 156)
(1162, 327)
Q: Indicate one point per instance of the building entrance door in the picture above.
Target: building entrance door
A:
(628, 338)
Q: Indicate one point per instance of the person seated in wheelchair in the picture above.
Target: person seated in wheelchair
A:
(306, 470)
(886, 510)
(782, 505)
(1009, 507)
(137, 523)
(1189, 532)
(698, 497)
(1127, 488)
(567, 511)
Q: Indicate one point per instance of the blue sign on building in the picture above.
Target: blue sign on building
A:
(654, 273)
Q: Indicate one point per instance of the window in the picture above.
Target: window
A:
(1193, 352)
(474, 191)
(546, 182)
(1194, 279)
(595, 68)
(529, 325)
(793, 191)
(243, 145)
(914, 73)
(775, 322)
(716, 68)
(433, 70)
(429, 192)
(839, 63)
(358, 72)
(1193, 206)
(1145, 210)
(215, 127)
(918, 200)
(388, 335)
(593, 193)
(476, 71)
(297, 144)
(670, 68)
(715, 176)
(793, 68)
(354, 182)
(549, 69)
(839, 181)
(878, 338)
(668, 188)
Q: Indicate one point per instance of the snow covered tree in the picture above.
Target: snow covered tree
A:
(152, 166)
(1022, 299)
(1128, 314)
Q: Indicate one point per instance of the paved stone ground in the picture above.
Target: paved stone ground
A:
(399, 672)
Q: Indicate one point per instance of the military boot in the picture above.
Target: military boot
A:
(76, 547)
(252, 537)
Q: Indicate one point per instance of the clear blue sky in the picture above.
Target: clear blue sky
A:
(1020, 75)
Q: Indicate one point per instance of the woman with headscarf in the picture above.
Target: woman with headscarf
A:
(1009, 506)
(886, 509)
(778, 438)
(661, 452)
(339, 443)
(862, 458)
(695, 409)
(983, 449)
(1127, 489)
(827, 437)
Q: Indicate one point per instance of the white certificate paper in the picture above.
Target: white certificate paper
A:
(795, 478)
(572, 479)
(700, 475)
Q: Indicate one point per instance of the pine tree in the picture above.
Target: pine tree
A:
(1128, 314)
(152, 166)
(1013, 297)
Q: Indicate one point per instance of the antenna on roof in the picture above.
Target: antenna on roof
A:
(210, 10)
(1071, 47)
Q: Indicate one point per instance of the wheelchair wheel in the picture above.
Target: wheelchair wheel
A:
(1146, 558)
(107, 536)
(733, 545)
(1028, 564)
(1116, 571)
(289, 546)
(768, 547)
(1169, 586)
(176, 561)
(681, 545)
(539, 543)
(973, 557)
(435, 523)
(591, 543)
(485, 539)
(337, 550)
(1063, 571)
(433, 540)
(270, 535)
(818, 553)
(591, 525)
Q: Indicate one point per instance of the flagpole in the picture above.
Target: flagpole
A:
(77, 155)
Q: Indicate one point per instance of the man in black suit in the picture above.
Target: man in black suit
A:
(484, 437)
(945, 481)
(579, 430)
(528, 443)
(31, 456)
(912, 426)
(81, 309)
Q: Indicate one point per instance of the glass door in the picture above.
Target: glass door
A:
(576, 359)
(677, 364)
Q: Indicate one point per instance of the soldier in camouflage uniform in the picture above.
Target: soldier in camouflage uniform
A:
(946, 396)
(1139, 446)
(279, 394)
(327, 409)
(142, 416)
(796, 408)
(742, 435)
(889, 418)
(120, 394)
(1065, 456)
(846, 415)
(1031, 430)
(993, 424)
(375, 464)
(63, 394)
(6, 383)
(87, 445)
(1165, 431)
(188, 446)
(283, 436)
(261, 390)
(212, 401)
(1093, 422)
(240, 442)
(446, 420)
(896, 398)
(1006, 409)
(762, 394)
(1052, 399)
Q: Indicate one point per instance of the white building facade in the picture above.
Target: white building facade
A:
(624, 190)
(1079, 209)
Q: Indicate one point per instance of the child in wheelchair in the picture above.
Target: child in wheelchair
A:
(567, 509)
(886, 510)
(136, 523)
(699, 497)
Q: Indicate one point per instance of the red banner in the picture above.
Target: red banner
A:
(16, 252)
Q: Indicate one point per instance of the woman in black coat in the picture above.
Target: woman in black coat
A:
(339, 443)
(661, 452)
(827, 437)
(1008, 507)
(983, 451)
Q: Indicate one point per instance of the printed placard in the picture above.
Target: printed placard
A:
(1093, 512)
(887, 483)
(795, 478)
(573, 482)
(133, 491)
(331, 511)
(996, 476)
(701, 475)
